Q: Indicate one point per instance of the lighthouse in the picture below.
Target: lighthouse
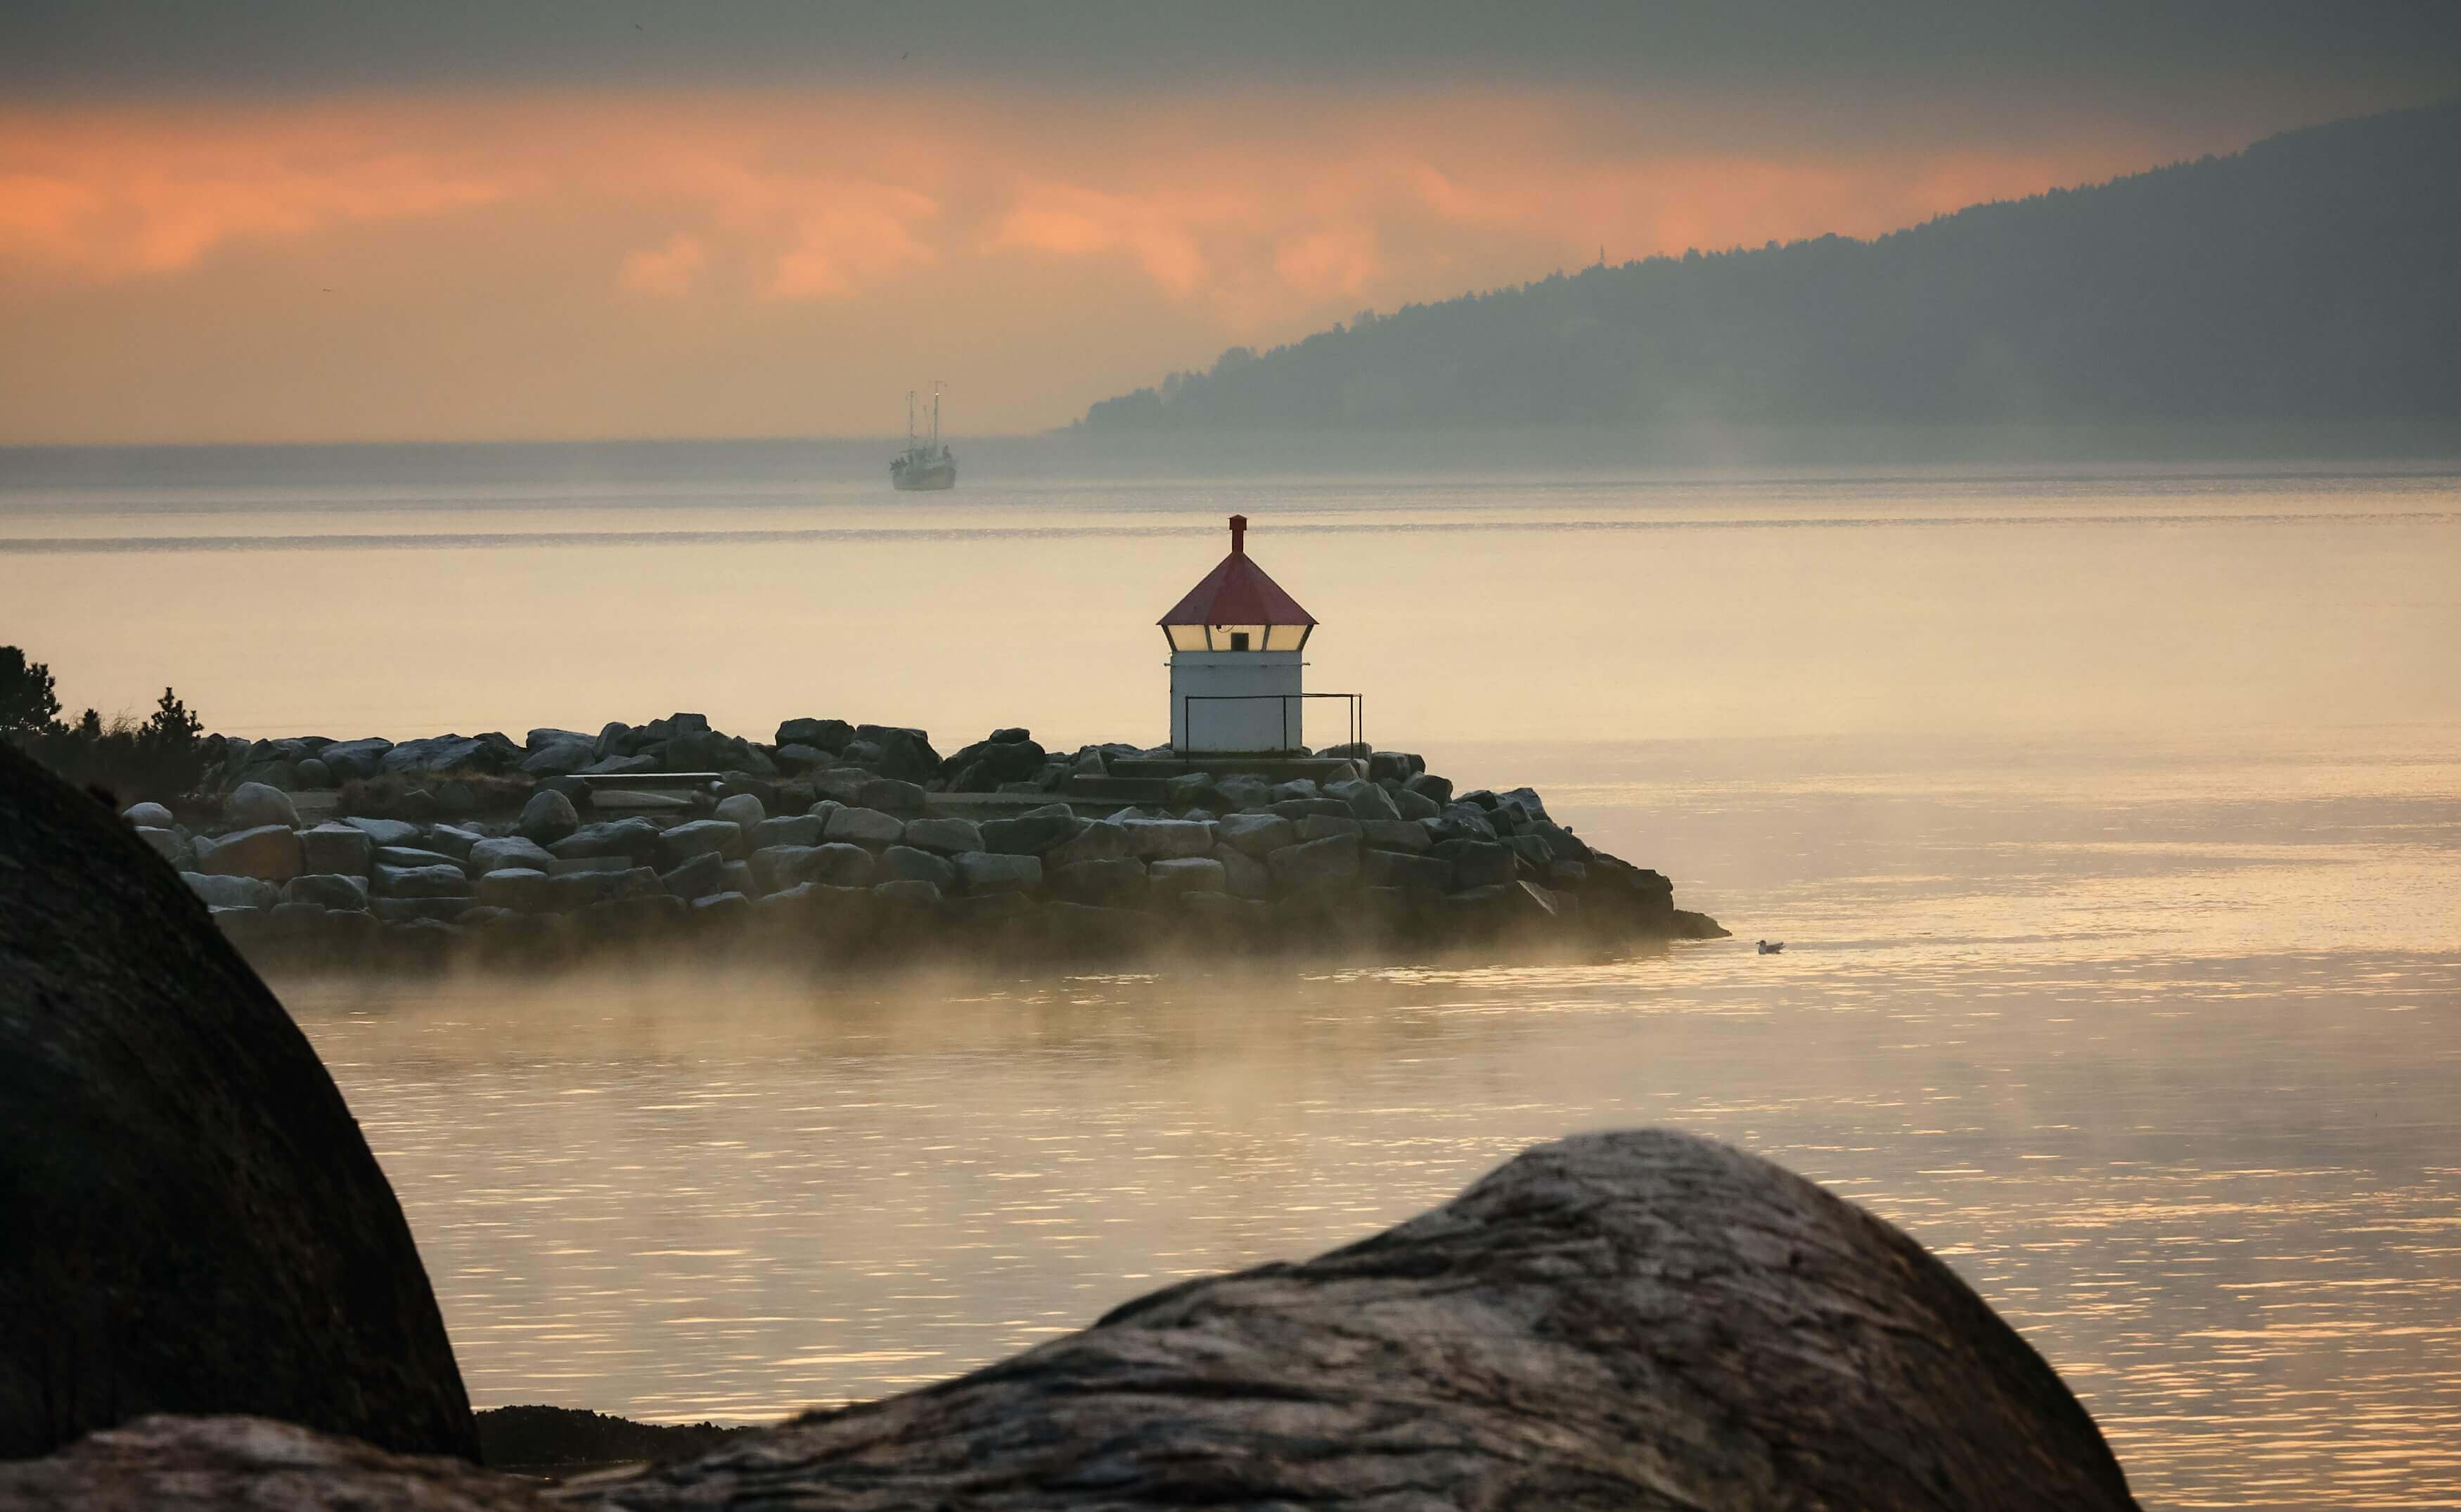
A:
(1234, 659)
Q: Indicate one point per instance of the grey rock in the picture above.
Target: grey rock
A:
(563, 758)
(1527, 800)
(1164, 838)
(907, 892)
(1099, 884)
(1295, 809)
(448, 755)
(892, 795)
(1391, 869)
(742, 809)
(839, 864)
(903, 753)
(1437, 790)
(1366, 800)
(1534, 849)
(148, 815)
(685, 840)
(1332, 859)
(1243, 876)
(1394, 766)
(801, 757)
(699, 877)
(944, 837)
(1416, 805)
(344, 848)
(739, 878)
(1567, 845)
(254, 804)
(1462, 822)
(453, 840)
(788, 829)
(385, 831)
(512, 850)
(268, 852)
(173, 846)
(1101, 840)
(826, 735)
(1033, 832)
(1318, 827)
(1398, 833)
(422, 882)
(354, 761)
(581, 889)
(564, 864)
(231, 892)
(1477, 862)
(775, 868)
(1297, 788)
(634, 839)
(844, 783)
(414, 856)
(547, 818)
(905, 863)
(313, 775)
(546, 735)
(619, 766)
(614, 738)
(722, 906)
(1241, 791)
(328, 891)
(864, 826)
(1169, 879)
(982, 872)
(519, 889)
(1258, 835)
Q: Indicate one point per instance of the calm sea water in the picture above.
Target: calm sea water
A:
(2112, 820)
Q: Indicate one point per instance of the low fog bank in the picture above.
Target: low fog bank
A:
(990, 461)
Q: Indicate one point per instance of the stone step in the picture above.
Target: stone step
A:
(1273, 768)
(1116, 789)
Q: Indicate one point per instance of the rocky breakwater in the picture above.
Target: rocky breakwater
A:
(840, 841)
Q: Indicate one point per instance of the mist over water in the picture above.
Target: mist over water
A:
(2112, 817)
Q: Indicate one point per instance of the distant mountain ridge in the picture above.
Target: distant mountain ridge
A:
(2314, 276)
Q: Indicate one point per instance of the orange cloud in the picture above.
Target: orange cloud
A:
(666, 269)
(1152, 230)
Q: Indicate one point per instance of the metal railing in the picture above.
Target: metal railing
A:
(1290, 730)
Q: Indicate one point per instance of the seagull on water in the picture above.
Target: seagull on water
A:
(1770, 946)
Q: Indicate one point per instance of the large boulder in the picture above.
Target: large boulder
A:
(345, 761)
(1033, 832)
(547, 818)
(1638, 1319)
(983, 873)
(831, 736)
(194, 1222)
(1167, 839)
(270, 853)
(863, 826)
(231, 892)
(510, 850)
(684, 842)
(452, 755)
(148, 815)
(1334, 859)
(944, 837)
(336, 848)
(903, 753)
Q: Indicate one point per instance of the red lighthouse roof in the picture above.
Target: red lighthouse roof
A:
(1237, 592)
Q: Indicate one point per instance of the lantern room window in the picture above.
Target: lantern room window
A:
(1237, 637)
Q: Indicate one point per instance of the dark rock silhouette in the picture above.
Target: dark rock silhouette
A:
(1633, 1320)
(190, 1221)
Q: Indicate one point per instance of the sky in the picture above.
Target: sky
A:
(325, 222)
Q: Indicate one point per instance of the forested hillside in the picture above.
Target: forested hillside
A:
(2315, 276)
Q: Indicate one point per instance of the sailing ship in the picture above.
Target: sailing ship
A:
(923, 465)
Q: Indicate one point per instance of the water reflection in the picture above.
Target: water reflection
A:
(2171, 1081)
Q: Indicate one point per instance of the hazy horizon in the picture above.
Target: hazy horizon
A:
(310, 224)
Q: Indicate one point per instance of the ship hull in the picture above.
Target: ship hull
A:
(924, 480)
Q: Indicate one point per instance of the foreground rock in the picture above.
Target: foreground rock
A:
(192, 1221)
(1633, 1320)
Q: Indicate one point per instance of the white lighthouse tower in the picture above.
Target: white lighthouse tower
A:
(1234, 659)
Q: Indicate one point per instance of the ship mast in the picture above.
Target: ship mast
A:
(935, 415)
